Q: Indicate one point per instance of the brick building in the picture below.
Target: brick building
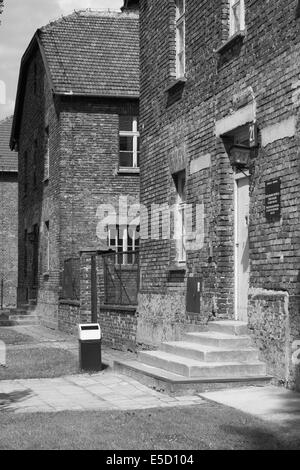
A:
(75, 129)
(8, 218)
(220, 131)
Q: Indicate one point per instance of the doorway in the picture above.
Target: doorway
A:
(241, 246)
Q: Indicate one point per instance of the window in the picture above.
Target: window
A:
(47, 155)
(124, 241)
(179, 227)
(35, 159)
(237, 16)
(47, 248)
(129, 142)
(180, 38)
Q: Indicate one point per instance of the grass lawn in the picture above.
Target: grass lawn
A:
(208, 426)
(12, 337)
(38, 363)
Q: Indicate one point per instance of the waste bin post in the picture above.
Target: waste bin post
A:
(90, 347)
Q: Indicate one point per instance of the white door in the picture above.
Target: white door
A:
(242, 248)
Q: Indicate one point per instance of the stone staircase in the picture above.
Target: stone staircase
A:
(21, 316)
(221, 357)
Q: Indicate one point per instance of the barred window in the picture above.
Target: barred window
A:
(125, 241)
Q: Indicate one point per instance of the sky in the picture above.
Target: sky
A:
(19, 21)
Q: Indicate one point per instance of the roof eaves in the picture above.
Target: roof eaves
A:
(34, 43)
(91, 95)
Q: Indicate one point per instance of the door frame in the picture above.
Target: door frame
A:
(237, 177)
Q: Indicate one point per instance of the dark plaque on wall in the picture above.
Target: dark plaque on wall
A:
(273, 199)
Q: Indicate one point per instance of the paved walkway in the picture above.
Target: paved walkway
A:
(109, 391)
(270, 403)
(102, 391)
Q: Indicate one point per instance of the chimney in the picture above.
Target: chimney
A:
(131, 5)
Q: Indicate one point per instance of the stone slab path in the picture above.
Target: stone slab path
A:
(102, 391)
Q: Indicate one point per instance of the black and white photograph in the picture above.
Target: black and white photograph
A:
(150, 228)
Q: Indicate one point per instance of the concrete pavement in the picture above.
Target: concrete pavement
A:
(273, 404)
(102, 391)
(111, 391)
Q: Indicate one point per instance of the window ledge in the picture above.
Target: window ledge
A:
(126, 267)
(73, 303)
(176, 83)
(117, 308)
(177, 267)
(235, 37)
(128, 171)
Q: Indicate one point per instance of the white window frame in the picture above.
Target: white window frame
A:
(135, 135)
(180, 226)
(180, 23)
(233, 29)
(124, 243)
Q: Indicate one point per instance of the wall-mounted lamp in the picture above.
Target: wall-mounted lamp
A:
(240, 156)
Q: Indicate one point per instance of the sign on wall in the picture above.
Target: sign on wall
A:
(273, 199)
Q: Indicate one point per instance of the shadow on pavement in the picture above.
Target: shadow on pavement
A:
(8, 399)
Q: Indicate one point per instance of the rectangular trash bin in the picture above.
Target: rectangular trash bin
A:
(90, 347)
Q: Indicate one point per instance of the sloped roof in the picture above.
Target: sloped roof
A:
(8, 159)
(93, 53)
(87, 53)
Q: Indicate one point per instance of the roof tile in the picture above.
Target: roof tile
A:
(8, 159)
(93, 53)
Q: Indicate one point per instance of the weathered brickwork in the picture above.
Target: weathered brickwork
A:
(118, 324)
(84, 158)
(252, 78)
(8, 218)
(8, 238)
(39, 199)
(59, 213)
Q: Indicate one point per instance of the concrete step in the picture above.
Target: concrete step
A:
(209, 353)
(19, 311)
(218, 340)
(192, 368)
(175, 384)
(24, 320)
(231, 327)
(27, 307)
